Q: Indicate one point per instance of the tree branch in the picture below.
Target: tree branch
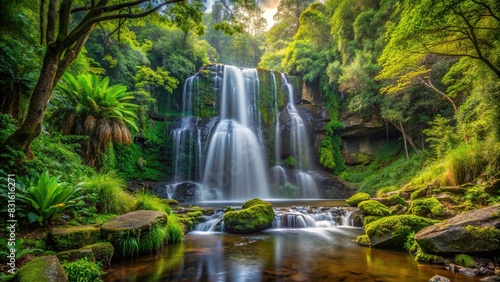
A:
(51, 21)
(86, 23)
(429, 84)
(64, 14)
(487, 8)
(42, 20)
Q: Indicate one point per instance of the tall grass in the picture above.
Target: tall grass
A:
(107, 193)
(174, 229)
(148, 201)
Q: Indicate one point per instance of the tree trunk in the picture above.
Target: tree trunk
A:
(31, 127)
(404, 139)
(408, 138)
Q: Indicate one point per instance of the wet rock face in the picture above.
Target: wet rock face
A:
(184, 192)
(469, 232)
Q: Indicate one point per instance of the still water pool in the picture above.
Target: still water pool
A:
(308, 254)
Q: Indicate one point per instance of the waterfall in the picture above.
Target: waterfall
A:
(235, 162)
(300, 147)
(186, 147)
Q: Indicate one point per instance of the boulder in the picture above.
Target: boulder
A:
(67, 238)
(438, 278)
(493, 188)
(255, 215)
(136, 232)
(357, 198)
(76, 254)
(184, 192)
(42, 269)
(372, 207)
(392, 231)
(474, 231)
(101, 252)
(391, 200)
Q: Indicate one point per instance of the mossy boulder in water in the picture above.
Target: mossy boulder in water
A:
(357, 198)
(392, 231)
(372, 207)
(136, 232)
(42, 269)
(469, 232)
(75, 237)
(255, 215)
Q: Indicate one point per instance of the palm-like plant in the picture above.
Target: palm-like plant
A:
(95, 109)
(48, 197)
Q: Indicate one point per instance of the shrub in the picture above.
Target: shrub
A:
(48, 198)
(464, 260)
(83, 270)
(357, 198)
(464, 164)
(106, 192)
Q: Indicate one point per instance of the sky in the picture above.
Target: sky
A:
(270, 8)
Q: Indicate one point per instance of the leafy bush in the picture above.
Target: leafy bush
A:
(83, 270)
(48, 198)
(288, 190)
(106, 192)
(18, 246)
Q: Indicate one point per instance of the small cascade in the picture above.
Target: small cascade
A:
(306, 217)
(300, 147)
(347, 218)
(292, 218)
(212, 223)
(235, 162)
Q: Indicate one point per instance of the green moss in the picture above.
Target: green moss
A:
(42, 269)
(72, 255)
(103, 252)
(394, 200)
(464, 260)
(428, 258)
(427, 206)
(372, 207)
(363, 240)
(398, 226)
(369, 219)
(358, 198)
(420, 193)
(488, 233)
(73, 237)
(255, 215)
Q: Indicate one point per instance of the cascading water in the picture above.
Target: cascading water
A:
(186, 153)
(300, 147)
(235, 163)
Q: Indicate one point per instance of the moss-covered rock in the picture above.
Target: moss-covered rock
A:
(391, 200)
(372, 207)
(420, 193)
(469, 232)
(136, 232)
(369, 219)
(68, 238)
(428, 207)
(363, 240)
(357, 198)
(76, 254)
(103, 252)
(392, 231)
(42, 269)
(255, 215)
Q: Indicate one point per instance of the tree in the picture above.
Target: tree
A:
(64, 28)
(94, 109)
(458, 28)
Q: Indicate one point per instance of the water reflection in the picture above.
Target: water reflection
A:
(310, 254)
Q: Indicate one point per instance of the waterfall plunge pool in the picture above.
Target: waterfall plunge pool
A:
(276, 254)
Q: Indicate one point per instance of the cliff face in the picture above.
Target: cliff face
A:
(362, 136)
